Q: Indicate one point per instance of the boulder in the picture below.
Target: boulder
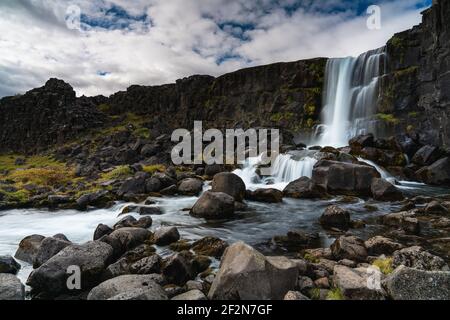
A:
(230, 184)
(247, 274)
(210, 246)
(354, 284)
(165, 179)
(344, 178)
(362, 141)
(92, 258)
(379, 245)
(177, 269)
(265, 195)
(132, 186)
(383, 190)
(436, 174)
(147, 265)
(142, 210)
(128, 287)
(130, 237)
(101, 230)
(335, 217)
(435, 207)
(164, 236)
(97, 199)
(404, 220)
(426, 155)
(49, 247)
(349, 247)
(9, 265)
(214, 205)
(295, 295)
(303, 188)
(11, 288)
(190, 187)
(212, 169)
(132, 222)
(153, 185)
(414, 284)
(416, 257)
(28, 248)
(191, 295)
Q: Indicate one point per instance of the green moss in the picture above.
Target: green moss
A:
(281, 116)
(153, 168)
(314, 294)
(310, 109)
(385, 265)
(311, 258)
(413, 114)
(142, 133)
(7, 162)
(104, 107)
(19, 196)
(119, 172)
(335, 294)
(389, 118)
(407, 71)
(397, 42)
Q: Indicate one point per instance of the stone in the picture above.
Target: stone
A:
(169, 191)
(304, 284)
(362, 141)
(335, 217)
(344, 178)
(101, 230)
(383, 190)
(130, 237)
(303, 188)
(147, 265)
(49, 247)
(142, 210)
(295, 295)
(212, 169)
(230, 184)
(404, 220)
(9, 265)
(28, 248)
(268, 195)
(436, 174)
(426, 155)
(353, 284)
(190, 187)
(414, 284)
(128, 287)
(214, 205)
(247, 274)
(153, 185)
(435, 207)
(97, 199)
(416, 257)
(11, 288)
(133, 186)
(177, 269)
(92, 258)
(210, 246)
(164, 236)
(349, 247)
(191, 295)
(131, 222)
(379, 245)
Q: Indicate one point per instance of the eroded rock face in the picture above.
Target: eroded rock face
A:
(214, 205)
(230, 184)
(247, 274)
(427, 285)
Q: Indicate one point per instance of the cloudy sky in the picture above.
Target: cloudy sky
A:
(102, 46)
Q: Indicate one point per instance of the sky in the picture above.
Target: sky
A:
(103, 46)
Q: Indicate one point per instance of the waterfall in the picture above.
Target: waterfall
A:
(350, 97)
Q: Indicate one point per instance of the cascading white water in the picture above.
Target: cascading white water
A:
(350, 97)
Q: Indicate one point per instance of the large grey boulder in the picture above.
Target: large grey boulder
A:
(214, 205)
(91, 257)
(190, 186)
(48, 248)
(230, 184)
(247, 274)
(303, 188)
(128, 287)
(335, 217)
(28, 248)
(414, 284)
(354, 284)
(349, 247)
(130, 238)
(9, 265)
(383, 190)
(11, 288)
(416, 257)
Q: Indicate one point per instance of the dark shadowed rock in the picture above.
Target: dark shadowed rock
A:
(214, 205)
(303, 188)
(49, 247)
(212, 169)
(230, 184)
(190, 187)
(130, 237)
(142, 210)
(28, 247)
(131, 222)
(11, 288)
(132, 186)
(9, 265)
(359, 142)
(153, 185)
(166, 235)
(96, 199)
(349, 247)
(147, 265)
(426, 155)
(436, 174)
(265, 195)
(335, 217)
(101, 230)
(435, 207)
(177, 269)
(383, 190)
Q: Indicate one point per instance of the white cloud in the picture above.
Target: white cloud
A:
(184, 38)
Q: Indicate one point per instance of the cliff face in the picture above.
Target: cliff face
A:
(416, 89)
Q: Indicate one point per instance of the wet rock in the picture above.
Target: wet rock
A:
(177, 269)
(426, 155)
(101, 230)
(28, 248)
(130, 237)
(230, 184)
(383, 190)
(169, 191)
(142, 210)
(128, 287)
(295, 295)
(210, 246)
(247, 274)
(335, 217)
(153, 185)
(416, 257)
(295, 239)
(190, 187)
(200, 263)
(165, 179)
(131, 222)
(191, 285)
(214, 205)
(49, 247)
(435, 207)
(212, 169)
(132, 186)
(436, 174)
(9, 265)
(265, 195)
(126, 264)
(349, 247)
(404, 220)
(147, 265)
(195, 294)
(303, 188)
(414, 284)
(55, 200)
(11, 288)
(92, 258)
(359, 142)
(381, 245)
(166, 235)
(97, 199)
(353, 284)
(344, 178)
